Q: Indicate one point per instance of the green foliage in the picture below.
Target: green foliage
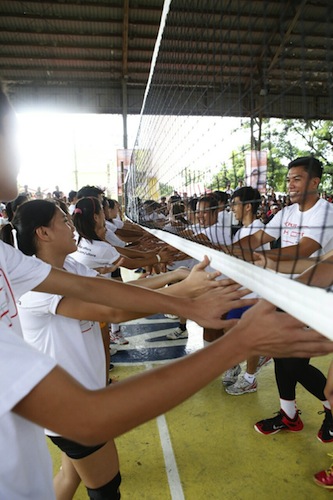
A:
(165, 189)
(288, 139)
(284, 140)
(232, 174)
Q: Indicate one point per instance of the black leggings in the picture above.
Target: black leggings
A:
(289, 371)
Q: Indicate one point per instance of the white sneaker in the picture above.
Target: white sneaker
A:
(231, 375)
(118, 338)
(177, 334)
(241, 386)
(112, 351)
(263, 361)
(171, 316)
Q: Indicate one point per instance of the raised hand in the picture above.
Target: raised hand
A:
(278, 334)
(209, 308)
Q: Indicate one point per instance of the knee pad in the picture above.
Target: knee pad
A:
(109, 491)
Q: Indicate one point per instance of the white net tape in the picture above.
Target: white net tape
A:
(310, 305)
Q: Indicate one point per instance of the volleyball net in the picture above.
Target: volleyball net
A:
(236, 91)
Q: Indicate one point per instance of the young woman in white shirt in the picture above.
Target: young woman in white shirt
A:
(54, 327)
(94, 250)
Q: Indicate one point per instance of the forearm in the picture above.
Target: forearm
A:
(99, 416)
(134, 263)
(112, 293)
(297, 266)
(319, 274)
(131, 253)
(153, 393)
(160, 280)
(102, 415)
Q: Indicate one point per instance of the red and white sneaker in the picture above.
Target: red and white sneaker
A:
(118, 338)
(324, 478)
(263, 361)
(325, 434)
(279, 423)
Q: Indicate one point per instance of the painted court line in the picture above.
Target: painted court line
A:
(175, 485)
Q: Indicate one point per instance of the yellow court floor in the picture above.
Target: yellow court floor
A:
(207, 449)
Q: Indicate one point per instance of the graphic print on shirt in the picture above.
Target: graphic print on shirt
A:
(86, 326)
(8, 309)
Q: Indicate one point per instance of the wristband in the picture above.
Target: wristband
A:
(158, 257)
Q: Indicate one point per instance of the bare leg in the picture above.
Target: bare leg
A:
(252, 364)
(67, 480)
(106, 342)
(98, 468)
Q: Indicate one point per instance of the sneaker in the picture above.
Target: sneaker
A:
(279, 423)
(241, 386)
(177, 334)
(171, 316)
(118, 338)
(231, 376)
(324, 478)
(112, 351)
(325, 434)
(263, 361)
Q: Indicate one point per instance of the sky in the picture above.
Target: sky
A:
(70, 150)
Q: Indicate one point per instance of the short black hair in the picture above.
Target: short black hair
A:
(89, 191)
(71, 195)
(210, 199)
(310, 164)
(248, 194)
(221, 196)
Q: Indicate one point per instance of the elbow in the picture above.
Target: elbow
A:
(88, 435)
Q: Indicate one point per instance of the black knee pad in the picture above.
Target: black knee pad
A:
(109, 491)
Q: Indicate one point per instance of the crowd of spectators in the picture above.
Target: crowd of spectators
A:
(176, 209)
(180, 209)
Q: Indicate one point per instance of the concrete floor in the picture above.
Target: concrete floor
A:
(206, 448)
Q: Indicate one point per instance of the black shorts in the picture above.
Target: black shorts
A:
(74, 450)
(116, 273)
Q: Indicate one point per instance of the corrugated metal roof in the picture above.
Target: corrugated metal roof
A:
(96, 44)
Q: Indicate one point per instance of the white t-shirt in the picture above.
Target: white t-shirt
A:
(77, 346)
(252, 228)
(118, 222)
(95, 253)
(111, 237)
(293, 225)
(26, 467)
(218, 234)
(154, 216)
(225, 218)
(71, 209)
(244, 231)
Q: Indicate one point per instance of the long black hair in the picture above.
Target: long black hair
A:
(28, 217)
(83, 217)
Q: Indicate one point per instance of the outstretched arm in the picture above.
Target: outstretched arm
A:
(315, 271)
(206, 310)
(101, 415)
(296, 266)
(319, 274)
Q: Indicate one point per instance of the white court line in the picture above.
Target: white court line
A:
(175, 486)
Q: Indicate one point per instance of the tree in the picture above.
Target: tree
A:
(165, 189)
(286, 140)
(229, 173)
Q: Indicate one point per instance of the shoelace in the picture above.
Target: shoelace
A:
(327, 412)
(278, 413)
(328, 420)
(329, 471)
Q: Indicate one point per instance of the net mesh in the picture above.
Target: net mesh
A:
(238, 90)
